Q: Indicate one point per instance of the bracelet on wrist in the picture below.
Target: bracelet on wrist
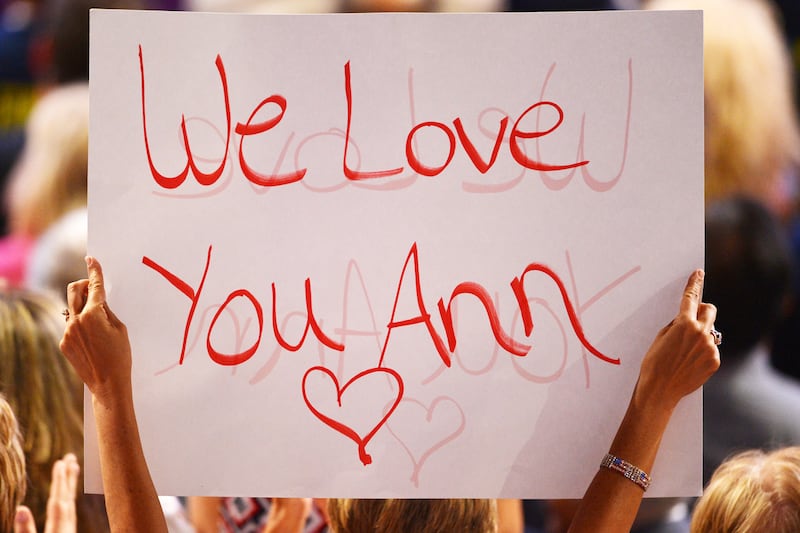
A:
(633, 473)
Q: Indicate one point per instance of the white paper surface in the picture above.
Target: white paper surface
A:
(358, 401)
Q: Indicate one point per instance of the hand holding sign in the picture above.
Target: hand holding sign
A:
(95, 341)
(681, 358)
(683, 355)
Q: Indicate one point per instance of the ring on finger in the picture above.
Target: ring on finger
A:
(717, 336)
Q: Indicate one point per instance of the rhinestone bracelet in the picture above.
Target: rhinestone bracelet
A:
(635, 474)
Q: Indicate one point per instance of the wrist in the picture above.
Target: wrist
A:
(112, 397)
(642, 427)
(651, 402)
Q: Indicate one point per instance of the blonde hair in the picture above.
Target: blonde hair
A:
(751, 130)
(753, 492)
(12, 466)
(411, 516)
(43, 390)
(50, 176)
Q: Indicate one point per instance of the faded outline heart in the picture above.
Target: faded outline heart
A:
(344, 429)
(437, 445)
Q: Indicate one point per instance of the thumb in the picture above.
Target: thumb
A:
(97, 290)
(23, 521)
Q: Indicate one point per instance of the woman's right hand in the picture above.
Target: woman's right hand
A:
(684, 354)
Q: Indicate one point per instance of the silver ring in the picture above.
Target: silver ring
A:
(717, 336)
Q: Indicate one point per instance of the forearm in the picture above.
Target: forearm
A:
(611, 501)
(131, 498)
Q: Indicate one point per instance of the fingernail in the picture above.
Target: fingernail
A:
(21, 516)
(701, 273)
(89, 260)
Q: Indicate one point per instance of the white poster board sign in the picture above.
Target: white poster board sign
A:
(407, 255)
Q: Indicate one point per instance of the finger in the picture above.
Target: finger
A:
(61, 503)
(97, 290)
(23, 521)
(707, 314)
(73, 471)
(58, 480)
(76, 296)
(692, 295)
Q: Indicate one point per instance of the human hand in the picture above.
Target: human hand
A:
(61, 515)
(287, 515)
(683, 355)
(95, 341)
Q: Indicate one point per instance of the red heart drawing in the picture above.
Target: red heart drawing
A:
(344, 429)
(449, 437)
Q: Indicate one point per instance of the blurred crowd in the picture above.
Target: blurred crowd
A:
(752, 193)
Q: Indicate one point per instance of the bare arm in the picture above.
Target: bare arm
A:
(682, 357)
(96, 344)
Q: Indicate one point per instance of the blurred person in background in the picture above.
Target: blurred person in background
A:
(17, 90)
(752, 492)
(60, 52)
(46, 396)
(790, 10)
(49, 179)
(57, 256)
(747, 404)
(752, 139)
(13, 481)
(43, 44)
